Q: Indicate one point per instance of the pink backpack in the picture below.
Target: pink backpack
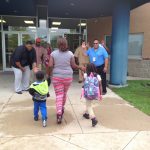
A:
(90, 89)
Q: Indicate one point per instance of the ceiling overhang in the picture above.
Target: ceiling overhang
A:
(64, 8)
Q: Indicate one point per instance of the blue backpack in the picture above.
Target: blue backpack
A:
(91, 87)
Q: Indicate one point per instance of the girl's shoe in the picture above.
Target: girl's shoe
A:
(86, 116)
(59, 118)
(94, 122)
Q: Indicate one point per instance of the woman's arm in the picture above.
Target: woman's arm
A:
(50, 65)
(51, 62)
(75, 66)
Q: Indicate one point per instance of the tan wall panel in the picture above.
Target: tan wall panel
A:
(99, 27)
(139, 23)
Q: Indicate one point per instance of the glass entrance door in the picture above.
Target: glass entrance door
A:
(27, 37)
(10, 43)
(73, 41)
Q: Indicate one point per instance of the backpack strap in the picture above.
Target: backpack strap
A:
(82, 92)
(91, 74)
(99, 93)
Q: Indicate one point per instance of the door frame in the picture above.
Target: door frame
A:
(4, 48)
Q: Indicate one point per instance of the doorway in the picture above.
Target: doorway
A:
(10, 41)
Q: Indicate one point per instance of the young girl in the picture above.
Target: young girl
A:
(92, 91)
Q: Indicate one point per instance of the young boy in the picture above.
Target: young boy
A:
(39, 91)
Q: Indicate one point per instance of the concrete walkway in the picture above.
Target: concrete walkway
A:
(120, 127)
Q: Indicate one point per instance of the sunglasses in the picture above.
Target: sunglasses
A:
(95, 43)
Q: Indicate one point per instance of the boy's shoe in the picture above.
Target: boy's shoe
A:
(44, 123)
(86, 116)
(59, 119)
(36, 118)
(48, 95)
(94, 122)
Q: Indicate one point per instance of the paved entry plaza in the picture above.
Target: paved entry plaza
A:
(120, 127)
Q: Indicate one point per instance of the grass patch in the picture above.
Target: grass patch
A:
(136, 93)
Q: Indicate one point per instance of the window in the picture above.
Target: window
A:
(135, 44)
(108, 41)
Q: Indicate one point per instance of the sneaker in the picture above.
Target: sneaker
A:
(36, 118)
(59, 119)
(20, 92)
(104, 93)
(44, 123)
(94, 122)
(86, 116)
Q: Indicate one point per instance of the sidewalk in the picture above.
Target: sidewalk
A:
(120, 127)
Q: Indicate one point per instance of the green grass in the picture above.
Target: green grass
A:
(136, 93)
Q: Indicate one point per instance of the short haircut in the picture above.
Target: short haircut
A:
(40, 75)
(82, 41)
(96, 39)
(62, 44)
(29, 42)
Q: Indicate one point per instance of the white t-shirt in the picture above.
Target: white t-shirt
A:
(98, 76)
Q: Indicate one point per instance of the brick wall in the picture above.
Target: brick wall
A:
(139, 68)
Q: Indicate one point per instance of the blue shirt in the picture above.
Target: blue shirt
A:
(98, 56)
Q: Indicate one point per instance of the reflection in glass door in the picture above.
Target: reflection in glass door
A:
(10, 44)
(27, 37)
(73, 41)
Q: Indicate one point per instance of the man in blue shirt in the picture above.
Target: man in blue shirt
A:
(99, 56)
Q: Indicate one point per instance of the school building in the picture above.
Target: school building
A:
(124, 25)
(139, 39)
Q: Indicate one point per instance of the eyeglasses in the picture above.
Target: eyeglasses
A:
(95, 43)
